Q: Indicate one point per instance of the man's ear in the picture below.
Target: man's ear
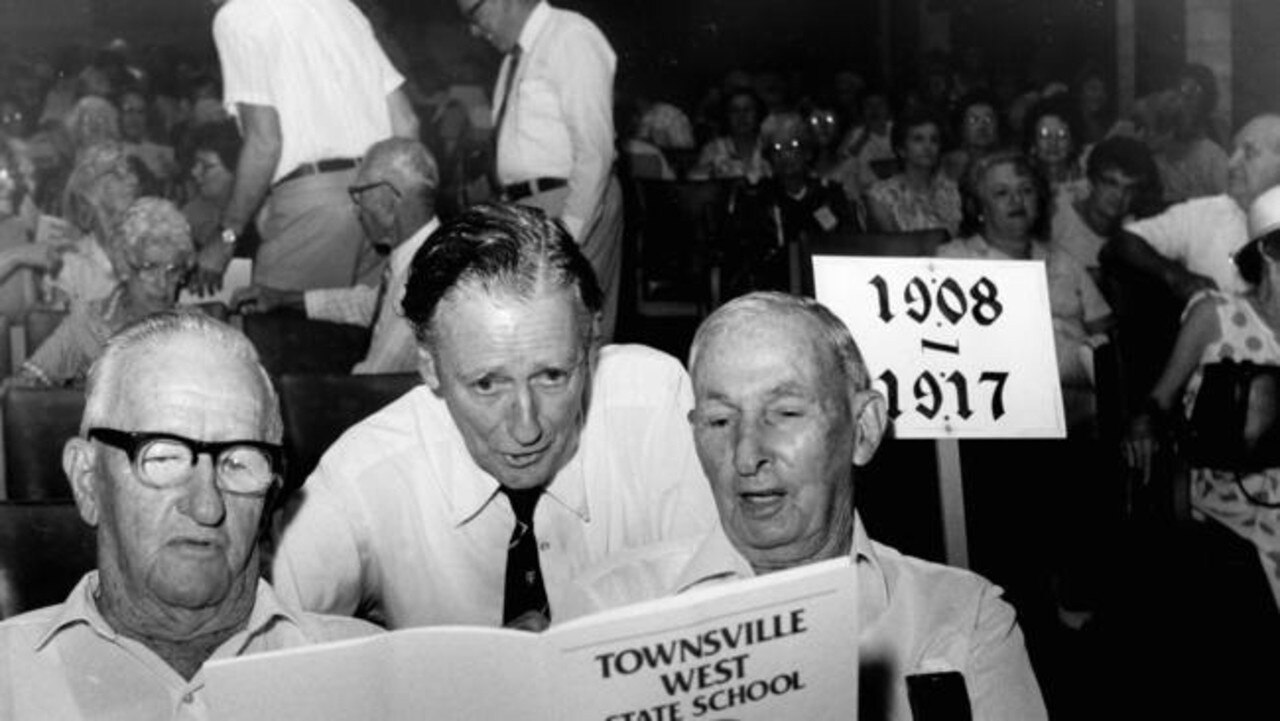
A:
(79, 461)
(427, 369)
(870, 416)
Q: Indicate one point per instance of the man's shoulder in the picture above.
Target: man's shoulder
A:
(939, 589)
(638, 368)
(386, 431)
(25, 629)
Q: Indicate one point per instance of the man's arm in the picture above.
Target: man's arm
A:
(1002, 684)
(584, 67)
(1134, 252)
(254, 169)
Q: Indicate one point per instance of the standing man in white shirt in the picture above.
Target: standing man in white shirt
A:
(553, 125)
(311, 89)
(394, 194)
(528, 453)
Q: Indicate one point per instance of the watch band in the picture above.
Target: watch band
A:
(228, 236)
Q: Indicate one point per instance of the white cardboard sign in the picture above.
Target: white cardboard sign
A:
(960, 348)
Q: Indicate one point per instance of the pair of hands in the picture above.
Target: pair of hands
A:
(1140, 447)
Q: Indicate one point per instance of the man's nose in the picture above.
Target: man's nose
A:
(525, 427)
(203, 502)
(749, 448)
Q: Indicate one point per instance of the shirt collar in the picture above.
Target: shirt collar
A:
(537, 20)
(403, 254)
(81, 607)
(717, 559)
(470, 492)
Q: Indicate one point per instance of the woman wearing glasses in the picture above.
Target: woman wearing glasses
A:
(1050, 134)
(152, 254)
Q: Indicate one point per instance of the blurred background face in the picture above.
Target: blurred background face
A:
(774, 436)
(1255, 160)
(1053, 141)
(744, 119)
(1110, 196)
(823, 125)
(376, 201)
(213, 179)
(1008, 198)
(133, 117)
(1093, 95)
(980, 126)
(875, 111)
(155, 272)
(117, 188)
(923, 146)
(13, 120)
(789, 152)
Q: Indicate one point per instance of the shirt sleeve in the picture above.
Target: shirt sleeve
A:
(317, 564)
(1168, 233)
(355, 305)
(583, 66)
(63, 356)
(688, 508)
(1003, 684)
(245, 50)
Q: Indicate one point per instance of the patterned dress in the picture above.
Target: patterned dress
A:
(939, 207)
(1215, 493)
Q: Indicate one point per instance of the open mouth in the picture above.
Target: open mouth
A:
(763, 502)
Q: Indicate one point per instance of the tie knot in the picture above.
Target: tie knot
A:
(515, 52)
(523, 501)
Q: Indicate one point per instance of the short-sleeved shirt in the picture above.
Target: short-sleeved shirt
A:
(65, 662)
(938, 207)
(913, 616)
(399, 522)
(1202, 235)
(318, 64)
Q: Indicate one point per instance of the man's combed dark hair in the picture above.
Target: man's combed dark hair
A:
(501, 248)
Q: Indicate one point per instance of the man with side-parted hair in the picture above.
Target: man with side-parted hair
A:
(176, 463)
(529, 453)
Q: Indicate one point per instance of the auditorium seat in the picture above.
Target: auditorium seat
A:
(288, 342)
(45, 547)
(319, 407)
(37, 422)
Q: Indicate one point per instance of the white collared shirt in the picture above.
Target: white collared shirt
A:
(65, 662)
(392, 347)
(913, 617)
(400, 522)
(1201, 234)
(560, 120)
(317, 63)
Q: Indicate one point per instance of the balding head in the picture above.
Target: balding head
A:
(1255, 159)
(395, 190)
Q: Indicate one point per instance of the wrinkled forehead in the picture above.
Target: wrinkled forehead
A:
(777, 349)
(1261, 134)
(181, 382)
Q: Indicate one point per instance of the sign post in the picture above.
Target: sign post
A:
(959, 348)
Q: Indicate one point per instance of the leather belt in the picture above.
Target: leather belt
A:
(329, 165)
(520, 191)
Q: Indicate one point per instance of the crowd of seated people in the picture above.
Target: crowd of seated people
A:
(100, 153)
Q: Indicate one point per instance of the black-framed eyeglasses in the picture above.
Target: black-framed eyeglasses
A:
(358, 192)
(471, 12)
(165, 460)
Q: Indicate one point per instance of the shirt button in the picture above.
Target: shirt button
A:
(188, 697)
(544, 546)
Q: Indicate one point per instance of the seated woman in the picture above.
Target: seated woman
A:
(976, 125)
(921, 196)
(152, 255)
(1049, 137)
(102, 185)
(1005, 218)
(768, 219)
(1217, 580)
(738, 153)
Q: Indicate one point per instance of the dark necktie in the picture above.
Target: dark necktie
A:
(512, 67)
(524, 590)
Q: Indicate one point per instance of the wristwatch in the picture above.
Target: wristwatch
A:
(228, 236)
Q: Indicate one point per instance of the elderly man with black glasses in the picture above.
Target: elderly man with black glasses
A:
(395, 197)
(176, 465)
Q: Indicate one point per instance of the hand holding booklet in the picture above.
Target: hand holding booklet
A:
(778, 646)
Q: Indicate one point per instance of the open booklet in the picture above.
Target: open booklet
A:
(781, 646)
